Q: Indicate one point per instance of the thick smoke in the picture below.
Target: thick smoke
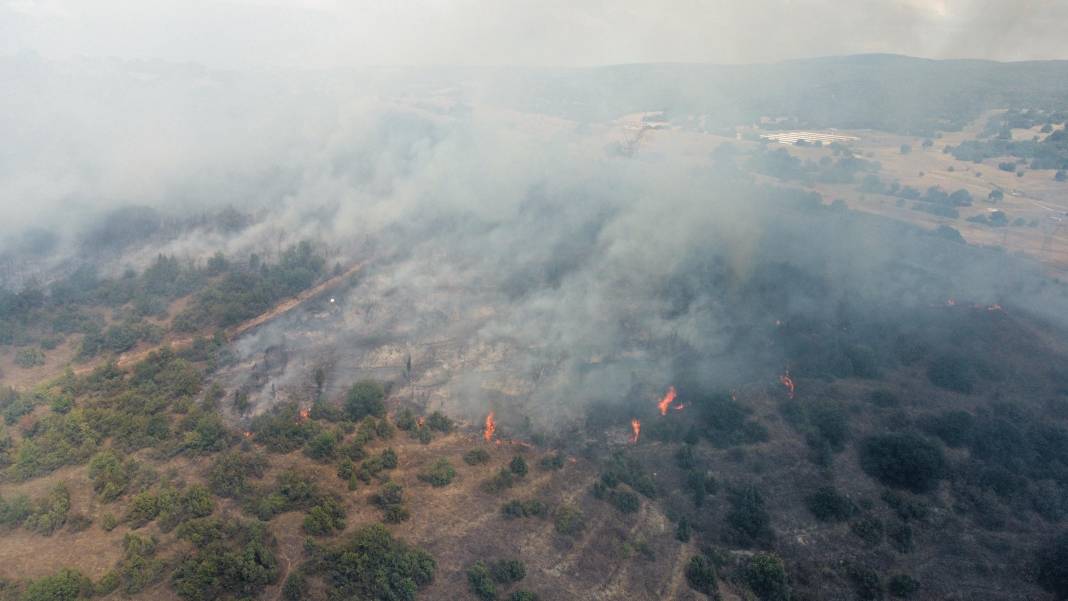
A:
(521, 263)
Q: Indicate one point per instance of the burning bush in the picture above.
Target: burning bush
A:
(902, 460)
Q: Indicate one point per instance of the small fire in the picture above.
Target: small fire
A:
(305, 414)
(419, 422)
(951, 303)
(668, 399)
(788, 382)
(247, 434)
(636, 428)
(679, 407)
(994, 307)
(491, 427)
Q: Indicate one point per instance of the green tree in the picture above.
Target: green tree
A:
(365, 398)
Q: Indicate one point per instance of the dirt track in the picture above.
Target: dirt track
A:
(231, 333)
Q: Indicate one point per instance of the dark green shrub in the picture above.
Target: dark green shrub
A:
(322, 446)
(829, 506)
(569, 520)
(683, 531)
(139, 567)
(371, 564)
(229, 473)
(480, 581)
(902, 586)
(504, 479)
(365, 398)
(953, 427)
(296, 587)
(701, 575)
(866, 583)
(507, 571)
(868, 529)
(624, 501)
(325, 518)
(521, 509)
(1052, 564)
(552, 461)
(390, 499)
(230, 559)
(406, 421)
(518, 466)
(524, 596)
(902, 460)
(952, 372)
(439, 422)
(747, 518)
(440, 473)
(900, 537)
(110, 474)
(765, 575)
(64, 585)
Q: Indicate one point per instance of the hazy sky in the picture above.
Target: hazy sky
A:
(330, 33)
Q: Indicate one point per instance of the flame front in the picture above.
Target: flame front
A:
(788, 382)
(491, 427)
(636, 428)
(666, 402)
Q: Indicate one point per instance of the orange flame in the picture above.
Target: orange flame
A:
(636, 428)
(248, 434)
(305, 414)
(491, 427)
(679, 407)
(668, 399)
(788, 382)
(419, 422)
